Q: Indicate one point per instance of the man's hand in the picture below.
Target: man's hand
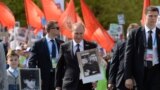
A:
(58, 88)
(110, 86)
(129, 84)
(94, 85)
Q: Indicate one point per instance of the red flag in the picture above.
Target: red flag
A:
(95, 30)
(67, 19)
(89, 19)
(6, 17)
(103, 39)
(51, 11)
(33, 14)
(146, 3)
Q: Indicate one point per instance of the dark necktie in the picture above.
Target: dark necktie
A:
(53, 49)
(150, 39)
(78, 49)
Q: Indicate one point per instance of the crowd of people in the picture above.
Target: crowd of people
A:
(134, 64)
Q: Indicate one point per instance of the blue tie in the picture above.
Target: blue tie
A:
(53, 49)
(15, 73)
(78, 49)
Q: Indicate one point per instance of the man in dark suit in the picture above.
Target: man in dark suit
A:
(44, 54)
(116, 71)
(68, 72)
(142, 54)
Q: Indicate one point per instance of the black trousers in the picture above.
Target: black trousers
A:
(48, 83)
(152, 78)
(87, 86)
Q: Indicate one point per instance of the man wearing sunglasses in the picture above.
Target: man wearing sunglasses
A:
(44, 54)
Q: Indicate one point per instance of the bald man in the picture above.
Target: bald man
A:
(68, 72)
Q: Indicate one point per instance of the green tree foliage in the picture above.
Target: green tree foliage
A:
(105, 10)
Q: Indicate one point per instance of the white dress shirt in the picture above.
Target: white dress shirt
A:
(13, 71)
(81, 46)
(154, 43)
(49, 42)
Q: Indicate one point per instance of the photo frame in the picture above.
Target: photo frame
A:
(89, 63)
(30, 79)
(32, 38)
(17, 24)
(21, 34)
(3, 34)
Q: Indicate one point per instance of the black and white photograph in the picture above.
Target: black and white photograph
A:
(32, 37)
(21, 34)
(30, 79)
(17, 24)
(89, 65)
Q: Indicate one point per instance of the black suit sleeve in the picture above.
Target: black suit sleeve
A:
(60, 69)
(33, 56)
(114, 65)
(129, 55)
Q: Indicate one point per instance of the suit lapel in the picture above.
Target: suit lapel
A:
(46, 48)
(71, 49)
(58, 43)
(144, 37)
(158, 42)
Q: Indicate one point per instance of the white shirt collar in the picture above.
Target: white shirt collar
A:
(12, 69)
(48, 38)
(80, 44)
(147, 29)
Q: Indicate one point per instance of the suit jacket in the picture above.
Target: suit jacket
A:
(40, 57)
(68, 72)
(13, 82)
(116, 71)
(3, 78)
(134, 55)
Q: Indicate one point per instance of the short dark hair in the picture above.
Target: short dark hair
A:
(151, 8)
(51, 25)
(12, 53)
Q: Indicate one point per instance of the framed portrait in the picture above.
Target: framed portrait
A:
(3, 34)
(21, 34)
(34, 37)
(30, 79)
(17, 24)
(89, 63)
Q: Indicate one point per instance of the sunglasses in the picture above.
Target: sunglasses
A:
(55, 28)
